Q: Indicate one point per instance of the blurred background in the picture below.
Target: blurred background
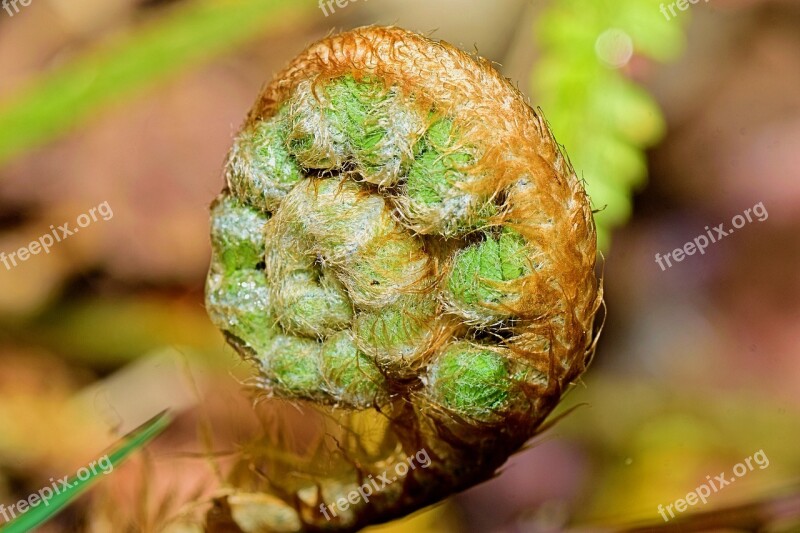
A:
(677, 115)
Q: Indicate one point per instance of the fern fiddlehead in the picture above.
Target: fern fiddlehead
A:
(400, 232)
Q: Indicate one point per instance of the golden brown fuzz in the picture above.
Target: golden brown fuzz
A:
(400, 232)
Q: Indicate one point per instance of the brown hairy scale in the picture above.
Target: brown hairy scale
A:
(543, 200)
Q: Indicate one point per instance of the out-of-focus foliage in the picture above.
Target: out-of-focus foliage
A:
(667, 438)
(697, 368)
(603, 118)
(199, 30)
(77, 484)
(117, 330)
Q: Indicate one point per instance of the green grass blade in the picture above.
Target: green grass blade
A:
(133, 441)
(187, 35)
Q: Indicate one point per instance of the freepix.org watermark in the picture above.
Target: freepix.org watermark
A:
(372, 485)
(327, 5)
(10, 5)
(701, 242)
(712, 486)
(56, 486)
(56, 235)
(683, 5)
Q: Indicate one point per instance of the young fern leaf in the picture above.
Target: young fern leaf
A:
(399, 233)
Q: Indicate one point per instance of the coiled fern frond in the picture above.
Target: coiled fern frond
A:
(401, 233)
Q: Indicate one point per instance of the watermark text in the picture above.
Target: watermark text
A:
(327, 5)
(10, 5)
(701, 242)
(376, 484)
(56, 235)
(56, 486)
(683, 5)
(712, 486)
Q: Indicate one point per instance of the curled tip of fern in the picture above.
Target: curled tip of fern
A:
(400, 230)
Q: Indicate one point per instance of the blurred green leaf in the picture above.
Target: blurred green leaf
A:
(133, 441)
(106, 332)
(631, 111)
(653, 35)
(603, 119)
(190, 34)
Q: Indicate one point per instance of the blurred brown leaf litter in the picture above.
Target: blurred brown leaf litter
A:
(697, 369)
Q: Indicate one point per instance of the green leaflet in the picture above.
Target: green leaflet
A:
(471, 380)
